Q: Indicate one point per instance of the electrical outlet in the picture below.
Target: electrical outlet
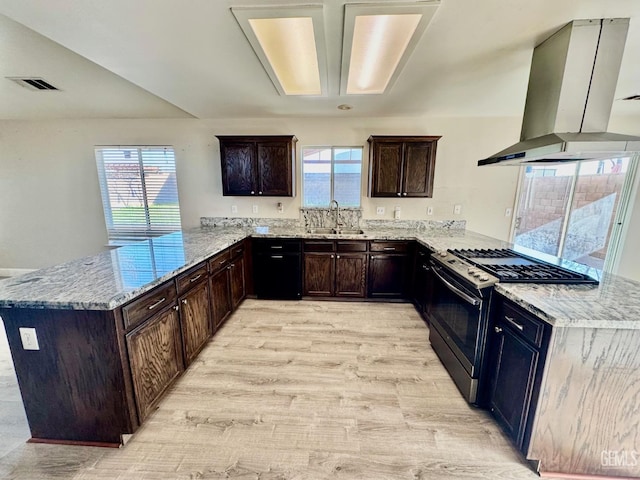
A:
(255, 209)
(234, 208)
(507, 212)
(380, 211)
(429, 210)
(457, 209)
(29, 338)
(396, 213)
(280, 207)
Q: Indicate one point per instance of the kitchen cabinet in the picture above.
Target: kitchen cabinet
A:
(335, 269)
(258, 165)
(155, 357)
(389, 269)
(237, 275)
(518, 350)
(227, 283)
(195, 316)
(401, 166)
(277, 268)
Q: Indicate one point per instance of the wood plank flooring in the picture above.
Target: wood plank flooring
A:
(296, 390)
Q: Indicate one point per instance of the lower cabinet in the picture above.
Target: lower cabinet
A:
(335, 269)
(517, 354)
(195, 320)
(155, 358)
(221, 305)
(422, 281)
(237, 280)
(389, 269)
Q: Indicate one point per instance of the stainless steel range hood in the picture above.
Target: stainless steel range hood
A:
(571, 90)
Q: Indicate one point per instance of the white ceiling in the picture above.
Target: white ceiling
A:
(170, 58)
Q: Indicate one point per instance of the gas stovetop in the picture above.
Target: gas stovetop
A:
(513, 267)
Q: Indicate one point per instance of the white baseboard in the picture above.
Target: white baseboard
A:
(13, 272)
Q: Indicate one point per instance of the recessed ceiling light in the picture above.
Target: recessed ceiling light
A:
(378, 41)
(344, 106)
(289, 42)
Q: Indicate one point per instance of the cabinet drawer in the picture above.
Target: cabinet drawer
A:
(529, 327)
(144, 307)
(190, 278)
(318, 246)
(219, 261)
(343, 246)
(264, 245)
(236, 250)
(389, 247)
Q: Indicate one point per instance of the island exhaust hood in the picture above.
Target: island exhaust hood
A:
(571, 90)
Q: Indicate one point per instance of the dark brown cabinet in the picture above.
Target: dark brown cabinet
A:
(220, 297)
(335, 269)
(195, 320)
(518, 350)
(237, 281)
(155, 358)
(258, 165)
(389, 269)
(401, 166)
(422, 281)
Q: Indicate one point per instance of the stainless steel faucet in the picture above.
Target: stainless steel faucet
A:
(337, 214)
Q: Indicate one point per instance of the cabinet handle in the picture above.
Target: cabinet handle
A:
(252, 192)
(497, 329)
(191, 280)
(175, 307)
(222, 262)
(229, 267)
(277, 256)
(389, 248)
(398, 193)
(159, 302)
(404, 194)
(184, 301)
(514, 323)
(425, 267)
(276, 247)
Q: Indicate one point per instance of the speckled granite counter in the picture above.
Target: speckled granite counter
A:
(110, 279)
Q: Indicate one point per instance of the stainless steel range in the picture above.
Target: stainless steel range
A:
(459, 311)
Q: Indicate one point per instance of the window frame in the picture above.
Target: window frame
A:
(333, 148)
(124, 235)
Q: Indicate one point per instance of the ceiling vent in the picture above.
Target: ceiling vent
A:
(33, 83)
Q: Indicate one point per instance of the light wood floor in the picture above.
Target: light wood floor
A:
(292, 390)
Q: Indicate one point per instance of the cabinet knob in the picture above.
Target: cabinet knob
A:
(175, 307)
(331, 256)
(497, 329)
(404, 194)
(337, 256)
(252, 192)
(184, 301)
(259, 193)
(398, 193)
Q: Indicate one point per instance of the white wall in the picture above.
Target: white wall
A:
(50, 207)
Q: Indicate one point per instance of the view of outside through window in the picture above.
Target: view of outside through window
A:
(568, 210)
(139, 190)
(331, 173)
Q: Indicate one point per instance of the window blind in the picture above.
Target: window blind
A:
(139, 191)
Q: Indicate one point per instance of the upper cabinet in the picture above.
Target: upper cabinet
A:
(258, 165)
(401, 166)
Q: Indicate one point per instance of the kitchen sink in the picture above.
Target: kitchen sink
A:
(333, 231)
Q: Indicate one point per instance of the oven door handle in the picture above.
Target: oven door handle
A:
(467, 298)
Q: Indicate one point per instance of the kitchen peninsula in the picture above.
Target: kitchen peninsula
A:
(81, 384)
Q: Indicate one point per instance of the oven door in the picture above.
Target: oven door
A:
(456, 312)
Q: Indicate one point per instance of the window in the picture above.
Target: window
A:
(139, 191)
(569, 210)
(331, 173)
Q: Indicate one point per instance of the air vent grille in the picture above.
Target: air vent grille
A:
(33, 83)
(632, 97)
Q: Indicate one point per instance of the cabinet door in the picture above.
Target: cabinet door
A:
(319, 274)
(513, 382)
(239, 174)
(220, 297)
(418, 169)
(155, 356)
(351, 271)
(422, 285)
(274, 169)
(387, 276)
(386, 169)
(237, 279)
(195, 320)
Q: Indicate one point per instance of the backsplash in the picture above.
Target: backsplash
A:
(249, 222)
(420, 225)
(325, 218)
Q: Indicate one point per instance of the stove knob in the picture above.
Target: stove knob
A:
(443, 253)
(483, 278)
(477, 274)
(471, 271)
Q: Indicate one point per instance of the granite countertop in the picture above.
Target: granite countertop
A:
(111, 279)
